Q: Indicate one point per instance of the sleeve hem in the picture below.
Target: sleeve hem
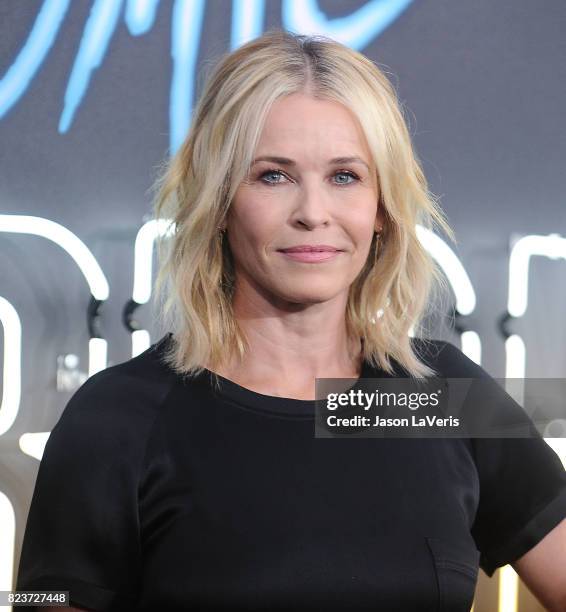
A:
(81, 593)
(527, 537)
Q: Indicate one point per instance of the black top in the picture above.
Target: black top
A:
(155, 492)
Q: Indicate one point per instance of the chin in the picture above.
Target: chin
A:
(310, 295)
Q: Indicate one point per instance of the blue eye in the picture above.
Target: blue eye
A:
(350, 174)
(275, 172)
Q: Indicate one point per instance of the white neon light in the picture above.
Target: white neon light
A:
(508, 589)
(97, 355)
(140, 341)
(460, 282)
(80, 254)
(452, 268)
(143, 271)
(33, 444)
(12, 359)
(69, 242)
(559, 447)
(143, 256)
(7, 539)
(471, 345)
(552, 246)
(515, 357)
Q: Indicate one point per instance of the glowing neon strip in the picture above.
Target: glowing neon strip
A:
(99, 28)
(559, 447)
(471, 345)
(552, 246)
(7, 540)
(356, 30)
(69, 242)
(34, 51)
(247, 21)
(186, 26)
(140, 16)
(143, 256)
(515, 358)
(460, 283)
(97, 355)
(80, 254)
(33, 444)
(452, 268)
(12, 360)
(508, 589)
(141, 341)
(143, 272)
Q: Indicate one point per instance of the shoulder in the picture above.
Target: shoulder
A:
(118, 402)
(145, 376)
(447, 359)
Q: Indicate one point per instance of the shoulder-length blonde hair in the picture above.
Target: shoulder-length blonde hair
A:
(197, 185)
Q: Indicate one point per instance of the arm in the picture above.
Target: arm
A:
(543, 569)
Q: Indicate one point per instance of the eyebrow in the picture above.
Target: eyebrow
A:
(285, 161)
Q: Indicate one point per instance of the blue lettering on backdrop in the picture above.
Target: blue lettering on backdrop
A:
(302, 16)
(99, 28)
(140, 16)
(356, 30)
(185, 36)
(29, 59)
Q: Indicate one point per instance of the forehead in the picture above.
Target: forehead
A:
(298, 121)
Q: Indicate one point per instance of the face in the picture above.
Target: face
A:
(305, 197)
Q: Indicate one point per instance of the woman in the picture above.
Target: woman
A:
(189, 477)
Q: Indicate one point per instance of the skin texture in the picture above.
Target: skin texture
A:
(293, 313)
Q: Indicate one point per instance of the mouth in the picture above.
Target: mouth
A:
(311, 249)
(310, 256)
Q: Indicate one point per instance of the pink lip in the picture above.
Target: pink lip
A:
(311, 256)
(305, 248)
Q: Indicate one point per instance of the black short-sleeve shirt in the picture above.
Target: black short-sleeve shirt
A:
(159, 492)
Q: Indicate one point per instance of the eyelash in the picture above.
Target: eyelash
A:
(280, 173)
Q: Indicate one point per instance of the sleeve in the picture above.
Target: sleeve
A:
(82, 531)
(522, 484)
(522, 497)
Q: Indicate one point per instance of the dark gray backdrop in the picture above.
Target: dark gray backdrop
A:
(484, 83)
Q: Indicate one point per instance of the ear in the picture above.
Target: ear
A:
(379, 218)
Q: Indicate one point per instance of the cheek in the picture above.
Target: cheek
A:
(360, 224)
(256, 219)
(252, 234)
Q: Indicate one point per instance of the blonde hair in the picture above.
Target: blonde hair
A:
(195, 282)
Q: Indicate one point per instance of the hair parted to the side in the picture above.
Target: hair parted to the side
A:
(195, 281)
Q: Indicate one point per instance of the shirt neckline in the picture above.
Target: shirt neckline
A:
(247, 398)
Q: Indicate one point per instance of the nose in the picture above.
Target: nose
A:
(312, 208)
